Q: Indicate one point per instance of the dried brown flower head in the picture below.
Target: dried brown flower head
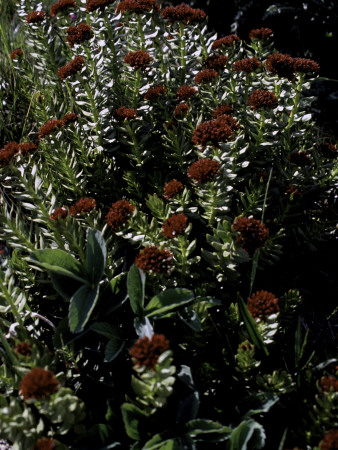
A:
(60, 6)
(172, 188)
(155, 260)
(303, 65)
(138, 60)
(84, 205)
(27, 147)
(252, 233)
(50, 127)
(262, 304)
(328, 150)
(72, 68)
(59, 213)
(183, 13)
(78, 34)
(24, 348)
(174, 225)
(119, 214)
(260, 98)
(145, 352)
(45, 444)
(301, 159)
(137, 6)
(281, 65)
(123, 113)
(215, 132)
(16, 54)
(69, 118)
(328, 384)
(227, 41)
(329, 441)
(293, 191)
(36, 17)
(247, 65)
(181, 109)
(205, 76)
(38, 383)
(185, 92)
(155, 92)
(261, 34)
(222, 110)
(203, 170)
(216, 62)
(6, 154)
(93, 5)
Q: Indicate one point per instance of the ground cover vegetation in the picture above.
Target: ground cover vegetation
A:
(164, 193)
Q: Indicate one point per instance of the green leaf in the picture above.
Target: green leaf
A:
(60, 262)
(207, 430)
(64, 286)
(156, 443)
(105, 329)
(136, 287)
(266, 401)
(113, 349)
(168, 300)
(81, 306)
(95, 255)
(249, 434)
(134, 420)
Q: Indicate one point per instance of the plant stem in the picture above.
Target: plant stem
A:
(7, 348)
(182, 50)
(296, 101)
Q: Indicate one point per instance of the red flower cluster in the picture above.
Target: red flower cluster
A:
(78, 34)
(252, 233)
(293, 191)
(281, 65)
(123, 113)
(183, 13)
(328, 150)
(247, 65)
(137, 6)
(216, 62)
(203, 170)
(72, 68)
(214, 132)
(154, 259)
(329, 441)
(138, 60)
(222, 110)
(50, 127)
(262, 304)
(69, 118)
(304, 65)
(328, 384)
(84, 205)
(260, 98)
(119, 214)
(16, 54)
(45, 444)
(61, 5)
(227, 41)
(181, 109)
(59, 213)
(175, 225)
(185, 92)
(260, 34)
(6, 154)
(27, 147)
(145, 352)
(24, 349)
(172, 188)
(301, 159)
(155, 92)
(93, 5)
(36, 17)
(38, 383)
(205, 76)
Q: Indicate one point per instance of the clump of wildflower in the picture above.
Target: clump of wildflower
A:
(281, 65)
(59, 213)
(304, 65)
(328, 150)
(227, 41)
(72, 68)
(247, 65)
(84, 205)
(260, 98)
(38, 383)
(183, 13)
(329, 441)
(214, 132)
(174, 225)
(93, 5)
(216, 62)
(123, 113)
(6, 154)
(172, 188)
(119, 214)
(261, 34)
(301, 159)
(45, 444)
(145, 352)
(222, 110)
(328, 384)
(185, 92)
(205, 76)
(50, 127)
(137, 6)
(27, 147)
(24, 348)
(60, 6)
(155, 260)
(262, 304)
(203, 170)
(69, 118)
(252, 233)
(155, 92)
(181, 109)
(78, 34)
(16, 54)
(36, 17)
(138, 60)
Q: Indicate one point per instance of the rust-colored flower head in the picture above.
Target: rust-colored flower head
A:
(203, 170)
(123, 113)
(35, 17)
(6, 154)
(260, 98)
(45, 444)
(61, 5)
(78, 34)
(181, 109)
(205, 76)
(155, 260)
(216, 62)
(183, 13)
(137, 6)
(303, 65)
(252, 233)
(72, 68)
(328, 150)
(145, 352)
(174, 225)
(50, 127)
(138, 60)
(69, 118)
(215, 132)
(185, 92)
(16, 54)
(247, 65)
(262, 304)
(94, 5)
(155, 92)
(293, 191)
(328, 384)
(222, 110)
(227, 42)
(261, 34)
(119, 214)
(172, 188)
(329, 441)
(27, 147)
(24, 348)
(59, 213)
(301, 159)
(84, 205)
(38, 383)
(281, 65)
